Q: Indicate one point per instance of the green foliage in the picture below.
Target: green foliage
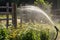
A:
(46, 6)
(41, 2)
(3, 34)
(44, 35)
(27, 36)
(24, 33)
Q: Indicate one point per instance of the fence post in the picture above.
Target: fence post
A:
(7, 15)
(14, 15)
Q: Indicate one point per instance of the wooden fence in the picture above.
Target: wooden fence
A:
(7, 13)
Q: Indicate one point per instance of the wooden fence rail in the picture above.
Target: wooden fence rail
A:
(4, 7)
(13, 13)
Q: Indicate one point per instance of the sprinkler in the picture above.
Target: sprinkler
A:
(57, 30)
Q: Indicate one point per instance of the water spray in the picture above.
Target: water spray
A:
(37, 10)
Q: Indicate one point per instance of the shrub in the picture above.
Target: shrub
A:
(44, 35)
(46, 6)
(3, 34)
(14, 34)
(27, 33)
(27, 36)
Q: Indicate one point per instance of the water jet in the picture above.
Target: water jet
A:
(34, 14)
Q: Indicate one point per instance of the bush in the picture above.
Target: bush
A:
(44, 35)
(46, 6)
(26, 33)
(3, 34)
(27, 36)
(36, 35)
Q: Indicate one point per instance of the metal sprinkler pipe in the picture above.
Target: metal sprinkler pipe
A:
(57, 30)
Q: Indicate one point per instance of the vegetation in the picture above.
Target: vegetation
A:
(46, 6)
(26, 32)
(41, 2)
(3, 34)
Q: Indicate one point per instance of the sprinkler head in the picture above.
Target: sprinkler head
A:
(56, 28)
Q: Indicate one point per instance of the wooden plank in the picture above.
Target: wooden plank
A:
(14, 16)
(4, 7)
(5, 19)
(7, 15)
(4, 13)
(56, 16)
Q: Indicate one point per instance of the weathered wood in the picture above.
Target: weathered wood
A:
(4, 13)
(14, 16)
(7, 15)
(56, 11)
(13, 13)
(5, 19)
(4, 7)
